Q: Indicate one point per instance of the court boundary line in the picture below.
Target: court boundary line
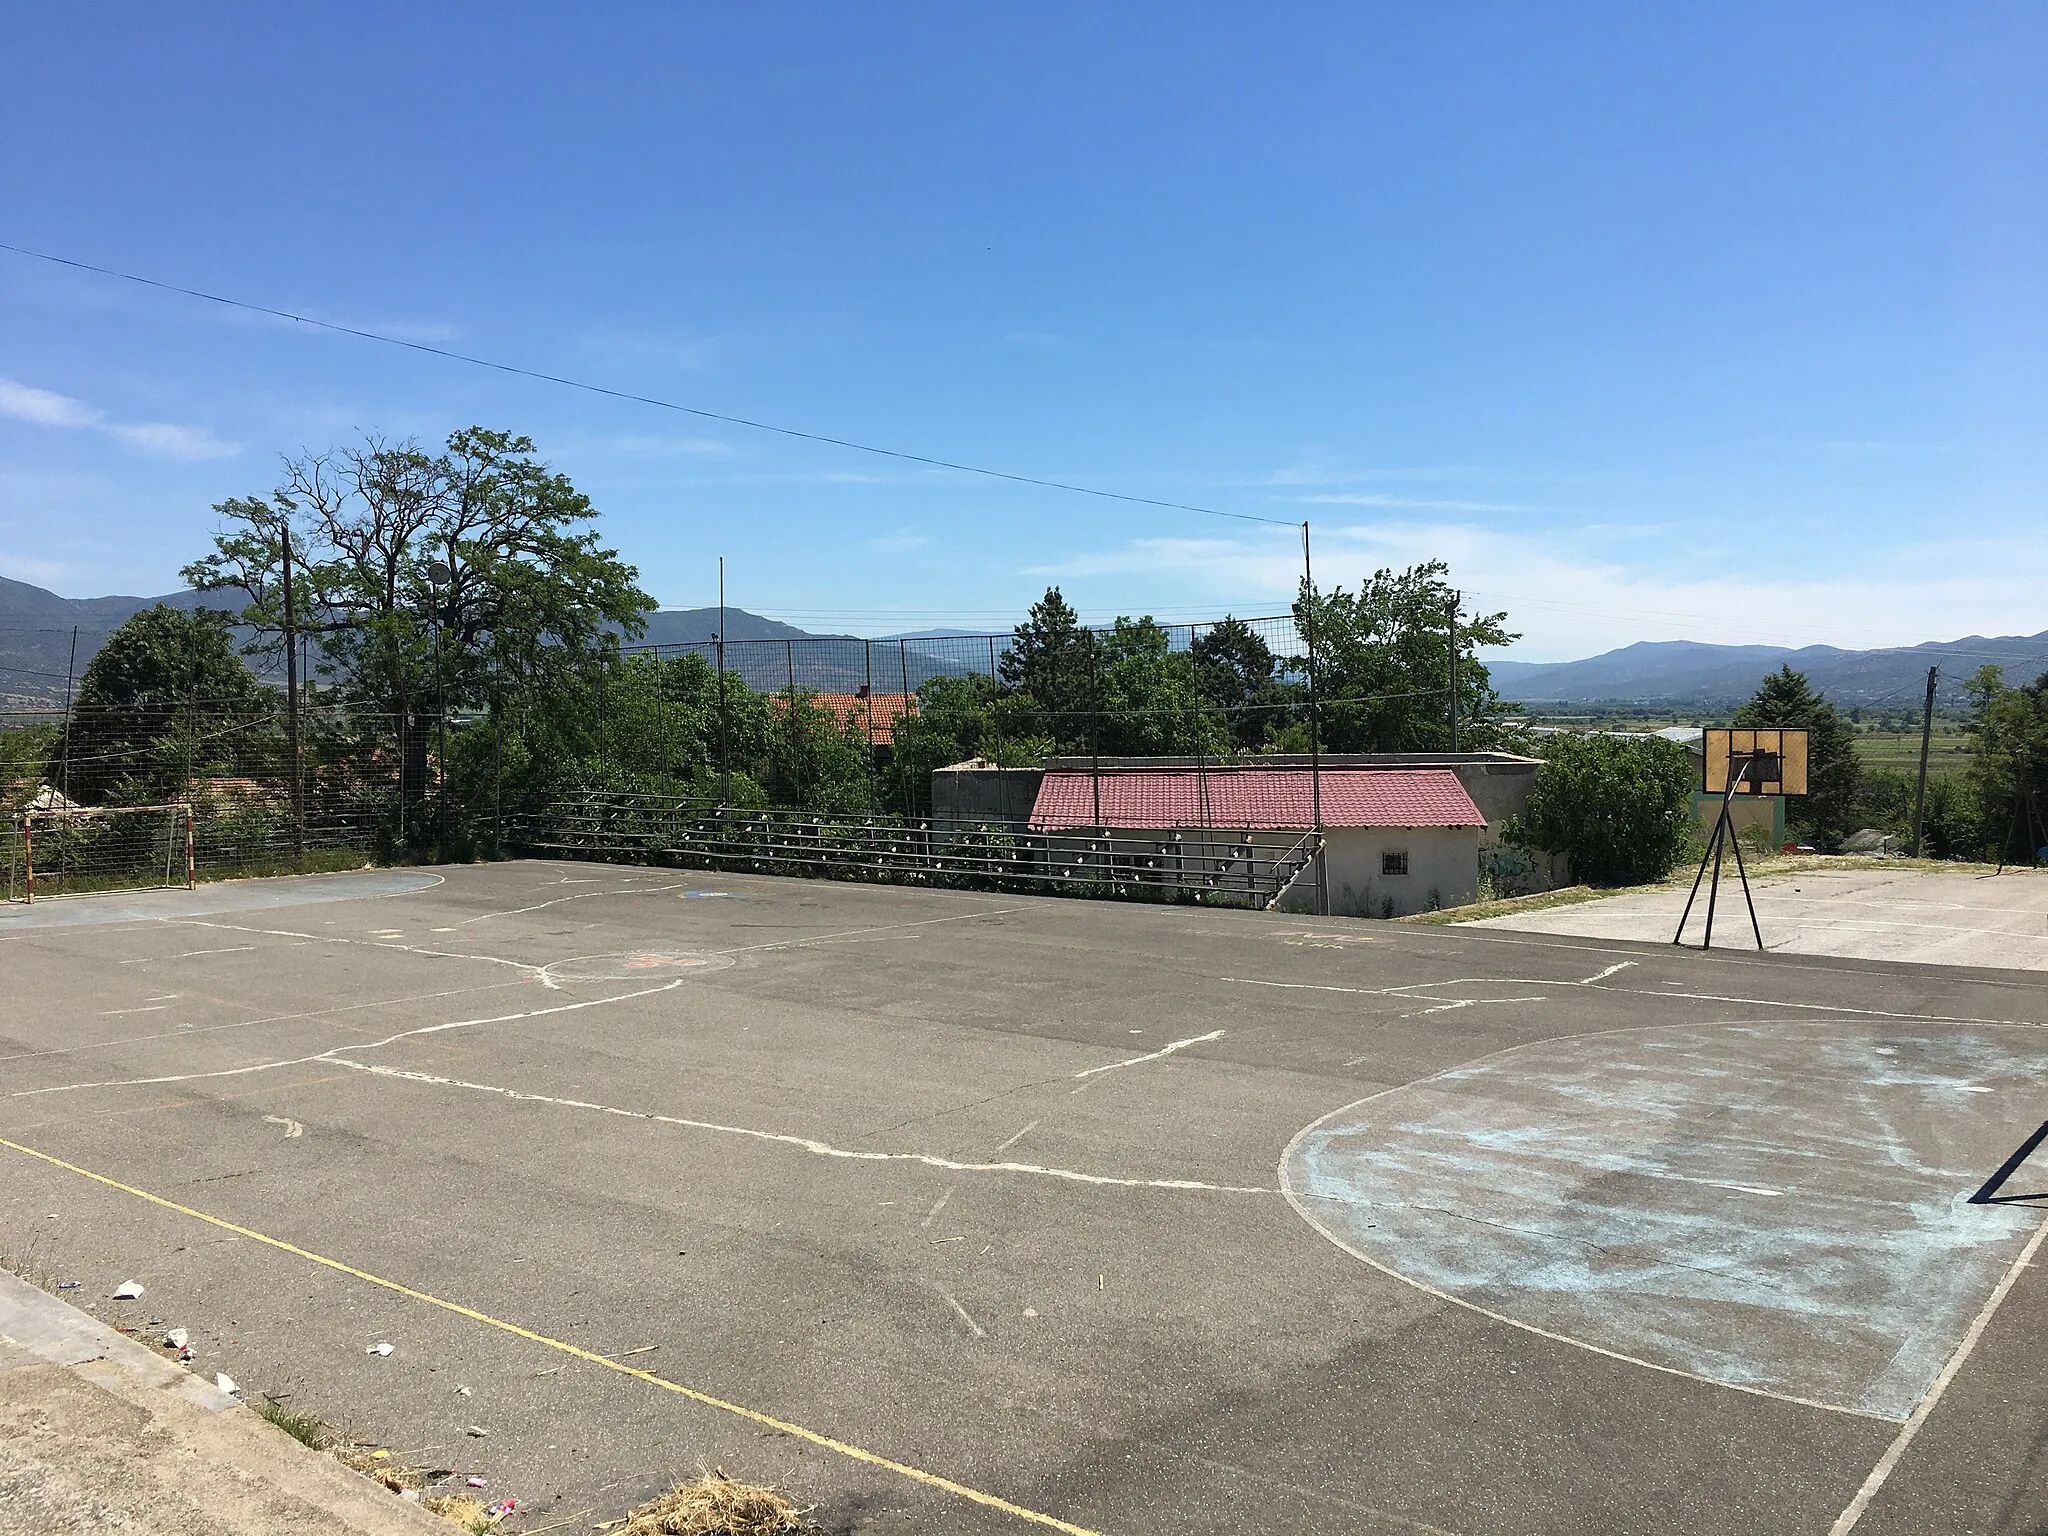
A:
(1888, 1463)
(782, 1426)
(1295, 1199)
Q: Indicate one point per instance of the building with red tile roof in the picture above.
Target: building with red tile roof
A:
(1395, 840)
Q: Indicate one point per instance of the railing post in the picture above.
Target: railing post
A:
(191, 867)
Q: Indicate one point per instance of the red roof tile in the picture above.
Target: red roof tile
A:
(1261, 799)
(857, 710)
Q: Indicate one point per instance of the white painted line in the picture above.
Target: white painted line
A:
(979, 1331)
(824, 938)
(236, 949)
(1166, 1050)
(269, 1018)
(803, 1143)
(1619, 965)
(1860, 1505)
(292, 1128)
(932, 1215)
(115, 1013)
(1018, 1137)
(329, 1056)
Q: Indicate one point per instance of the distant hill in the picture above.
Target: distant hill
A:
(1687, 673)
(36, 637)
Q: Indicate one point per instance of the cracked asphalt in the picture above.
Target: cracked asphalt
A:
(966, 1212)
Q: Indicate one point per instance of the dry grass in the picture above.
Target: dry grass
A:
(714, 1505)
(366, 1459)
(464, 1509)
(1478, 909)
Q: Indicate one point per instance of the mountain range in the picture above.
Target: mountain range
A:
(1683, 675)
(1693, 676)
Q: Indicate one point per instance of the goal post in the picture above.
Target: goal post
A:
(80, 850)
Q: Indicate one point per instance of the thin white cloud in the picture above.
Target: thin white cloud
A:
(44, 407)
(1419, 503)
(1568, 602)
(47, 408)
(173, 441)
(41, 573)
(653, 347)
(900, 542)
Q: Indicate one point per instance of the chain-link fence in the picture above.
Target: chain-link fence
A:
(812, 755)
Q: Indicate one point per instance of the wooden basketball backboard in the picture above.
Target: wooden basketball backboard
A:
(1775, 761)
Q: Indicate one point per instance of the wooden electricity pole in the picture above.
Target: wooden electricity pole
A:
(1926, 736)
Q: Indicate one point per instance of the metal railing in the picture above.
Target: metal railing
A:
(1212, 865)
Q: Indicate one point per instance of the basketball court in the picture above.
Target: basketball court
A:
(962, 1212)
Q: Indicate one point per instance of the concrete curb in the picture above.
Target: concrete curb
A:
(94, 1424)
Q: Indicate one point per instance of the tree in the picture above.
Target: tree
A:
(439, 582)
(958, 719)
(1831, 808)
(2009, 766)
(1238, 675)
(1619, 806)
(166, 700)
(1151, 702)
(1383, 664)
(1055, 661)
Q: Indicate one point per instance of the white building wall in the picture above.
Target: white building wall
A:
(1443, 871)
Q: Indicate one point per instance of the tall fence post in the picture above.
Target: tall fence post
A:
(191, 864)
(903, 671)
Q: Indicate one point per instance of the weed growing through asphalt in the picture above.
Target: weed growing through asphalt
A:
(308, 1430)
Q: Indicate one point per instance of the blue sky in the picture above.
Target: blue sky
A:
(1725, 323)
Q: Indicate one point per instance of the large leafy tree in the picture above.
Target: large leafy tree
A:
(1152, 703)
(435, 581)
(167, 700)
(1238, 675)
(1383, 663)
(2009, 768)
(1832, 807)
(1056, 662)
(1620, 807)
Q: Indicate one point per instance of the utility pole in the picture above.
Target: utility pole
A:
(1926, 737)
(1455, 598)
(64, 759)
(724, 752)
(1315, 729)
(291, 702)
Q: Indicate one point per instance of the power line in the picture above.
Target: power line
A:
(621, 394)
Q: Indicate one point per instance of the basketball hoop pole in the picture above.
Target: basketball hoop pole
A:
(1724, 831)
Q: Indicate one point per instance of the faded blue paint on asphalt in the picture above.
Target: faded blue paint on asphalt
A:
(213, 899)
(1781, 1207)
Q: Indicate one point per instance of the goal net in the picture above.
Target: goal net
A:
(79, 850)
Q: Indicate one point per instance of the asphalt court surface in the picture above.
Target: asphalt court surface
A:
(960, 1212)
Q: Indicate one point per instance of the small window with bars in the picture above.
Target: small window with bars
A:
(1394, 861)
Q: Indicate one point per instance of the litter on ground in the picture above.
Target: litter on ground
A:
(226, 1383)
(177, 1338)
(127, 1290)
(378, 1349)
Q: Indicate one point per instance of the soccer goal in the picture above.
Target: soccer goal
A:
(82, 849)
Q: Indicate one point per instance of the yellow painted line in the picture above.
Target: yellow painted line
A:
(853, 1452)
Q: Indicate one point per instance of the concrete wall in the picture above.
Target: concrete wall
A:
(1443, 871)
(978, 793)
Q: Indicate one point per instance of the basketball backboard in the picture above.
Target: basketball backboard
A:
(1776, 761)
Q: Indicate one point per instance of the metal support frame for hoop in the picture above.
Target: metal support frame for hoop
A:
(1724, 836)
